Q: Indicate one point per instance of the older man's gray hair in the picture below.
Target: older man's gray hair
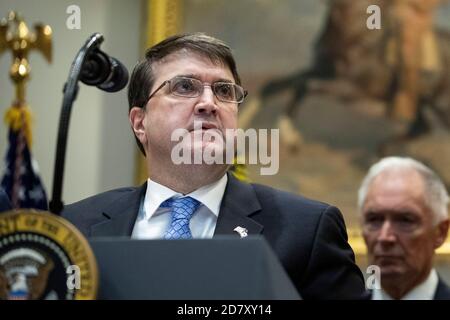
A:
(436, 195)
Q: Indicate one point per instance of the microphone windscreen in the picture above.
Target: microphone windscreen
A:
(118, 77)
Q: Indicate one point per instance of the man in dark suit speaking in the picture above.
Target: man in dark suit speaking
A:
(5, 205)
(189, 79)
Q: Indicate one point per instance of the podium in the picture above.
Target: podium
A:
(222, 268)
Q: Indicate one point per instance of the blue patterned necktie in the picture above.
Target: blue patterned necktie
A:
(182, 211)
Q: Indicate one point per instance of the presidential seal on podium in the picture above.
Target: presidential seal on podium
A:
(43, 256)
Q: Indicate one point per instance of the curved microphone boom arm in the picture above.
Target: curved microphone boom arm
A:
(92, 67)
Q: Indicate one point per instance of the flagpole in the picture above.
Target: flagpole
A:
(21, 180)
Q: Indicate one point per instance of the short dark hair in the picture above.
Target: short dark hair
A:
(142, 78)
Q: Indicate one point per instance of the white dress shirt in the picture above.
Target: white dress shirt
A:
(153, 221)
(424, 291)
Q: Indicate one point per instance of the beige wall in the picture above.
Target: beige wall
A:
(101, 150)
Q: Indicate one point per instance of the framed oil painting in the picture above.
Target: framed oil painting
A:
(342, 94)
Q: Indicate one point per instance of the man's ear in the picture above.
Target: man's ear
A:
(138, 124)
(441, 233)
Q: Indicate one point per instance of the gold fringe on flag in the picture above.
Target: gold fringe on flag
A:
(240, 171)
(18, 117)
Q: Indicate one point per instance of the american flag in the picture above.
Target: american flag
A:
(21, 179)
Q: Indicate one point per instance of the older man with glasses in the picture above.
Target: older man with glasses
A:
(193, 78)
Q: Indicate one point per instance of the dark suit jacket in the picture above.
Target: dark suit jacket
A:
(309, 237)
(442, 291)
(4, 201)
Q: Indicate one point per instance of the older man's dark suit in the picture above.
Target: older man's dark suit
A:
(309, 237)
(442, 291)
(4, 201)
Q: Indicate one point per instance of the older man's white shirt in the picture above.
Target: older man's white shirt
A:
(424, 291)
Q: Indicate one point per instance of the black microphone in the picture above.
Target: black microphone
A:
(104, 72)
(94, 68)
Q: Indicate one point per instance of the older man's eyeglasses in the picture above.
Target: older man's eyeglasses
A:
(192, 88)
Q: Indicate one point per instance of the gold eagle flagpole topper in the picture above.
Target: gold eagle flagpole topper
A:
(15, 36)
(42, 256)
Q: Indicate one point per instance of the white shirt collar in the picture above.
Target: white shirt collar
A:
(424, 291)
(210, 195)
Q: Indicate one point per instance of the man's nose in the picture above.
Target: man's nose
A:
(387, 233)
(207, 102)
